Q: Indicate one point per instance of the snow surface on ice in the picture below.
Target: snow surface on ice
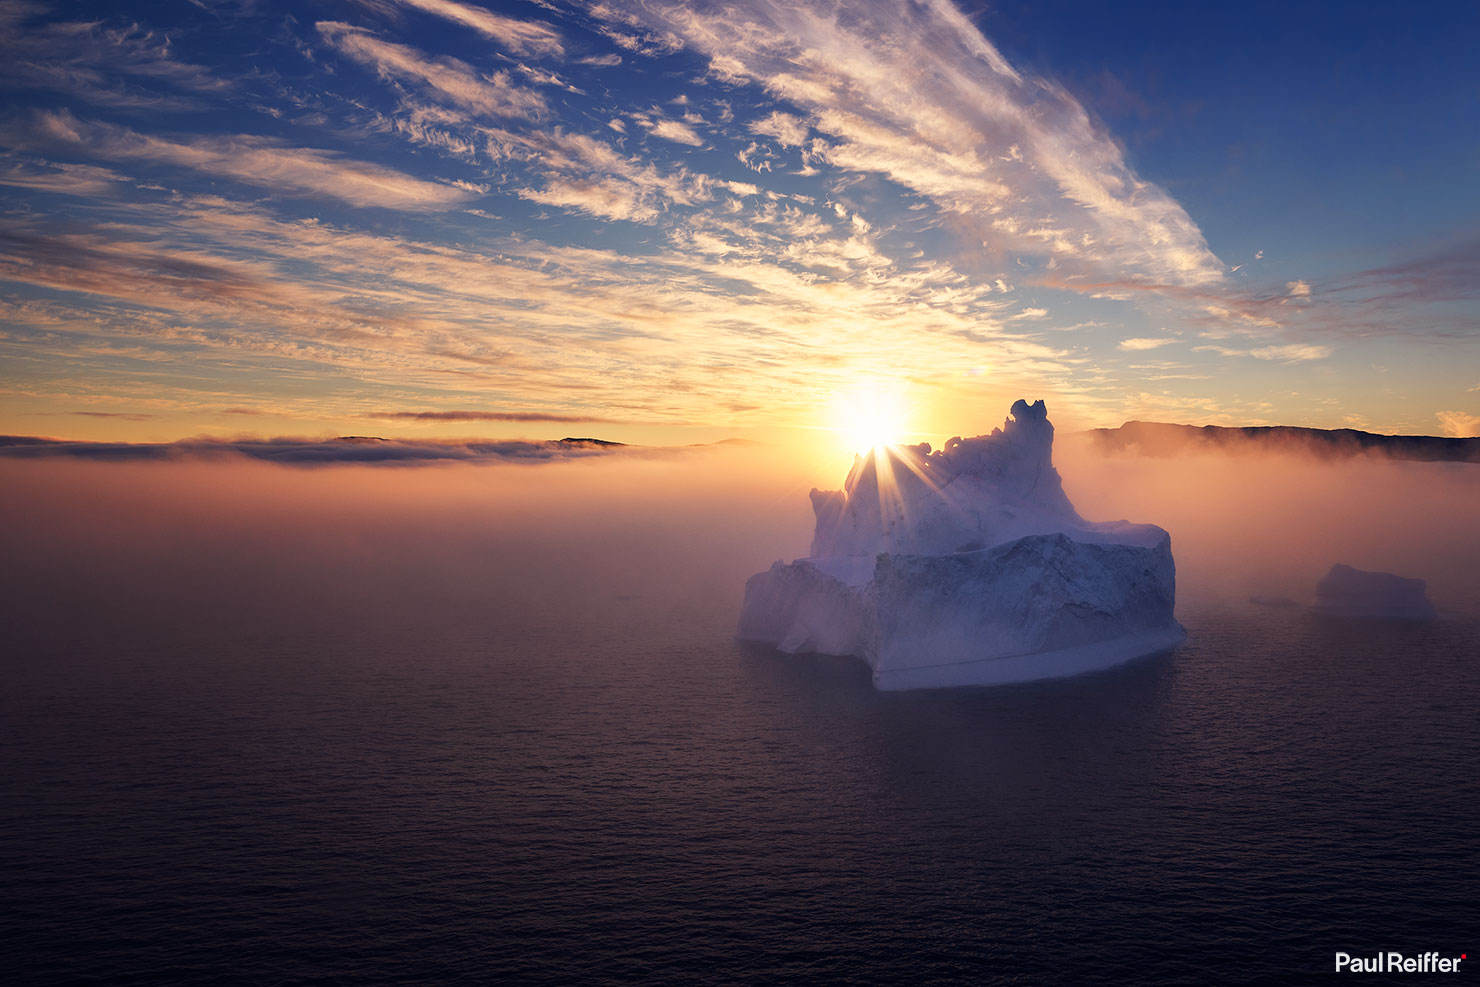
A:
(968, 566)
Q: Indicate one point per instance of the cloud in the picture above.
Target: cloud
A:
(1459, 424)
(755, 157)
(583, 173)
(449, 79)
(1286, 353)
(1449, 273)
(520, 37)
(545, 77)
(639, 43)
(911, 202)
(789, 130)
(346, 450)
(611, 198)
(493, 416)
(665, 336)
(259, 161)
(673, 130)
(133, 271)
(103, 64)
(61, 177)
(914, 93)
(1292, 352)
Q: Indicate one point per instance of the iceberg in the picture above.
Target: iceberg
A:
(1348, 592)
(968, 566)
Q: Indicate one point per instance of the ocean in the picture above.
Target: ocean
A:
(358, 726)
(610, 789)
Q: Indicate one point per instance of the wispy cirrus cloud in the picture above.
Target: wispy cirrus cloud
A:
(583, 334)
(63, 177)
(577, 171)
(917, 95)
(128, 416)
(611, 198)
(518, 36)
(260, 161)
(1450, 273)
(1284, 353)
(827, 193)
(453, 81)
(108, 65)
(674, 130)
(493, 416)
(786, 129)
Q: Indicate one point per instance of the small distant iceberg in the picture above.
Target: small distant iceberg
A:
(1348, 592)
(968, 566)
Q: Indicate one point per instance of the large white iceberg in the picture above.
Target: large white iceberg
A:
(968, 566)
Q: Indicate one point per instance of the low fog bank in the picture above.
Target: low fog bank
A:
(235, 547)
(125, 551)
(1272, 524)
(338, 451)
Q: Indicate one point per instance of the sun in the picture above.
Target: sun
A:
(868, 417)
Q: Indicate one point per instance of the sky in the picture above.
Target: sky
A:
(671, 223)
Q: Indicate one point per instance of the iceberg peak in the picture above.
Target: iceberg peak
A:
(973, 493)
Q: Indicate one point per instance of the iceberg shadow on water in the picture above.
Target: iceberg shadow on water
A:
(968, 566)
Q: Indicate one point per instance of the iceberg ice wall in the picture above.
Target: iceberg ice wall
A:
(968, 566)
(1348, 592)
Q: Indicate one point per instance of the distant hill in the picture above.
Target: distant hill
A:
(1163, 439)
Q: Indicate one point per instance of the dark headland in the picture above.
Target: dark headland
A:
(1164, 439)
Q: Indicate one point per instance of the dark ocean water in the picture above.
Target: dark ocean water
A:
(423, 789)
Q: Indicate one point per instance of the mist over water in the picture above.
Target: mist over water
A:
(1273, 524)
(233, 536)
(380, 725)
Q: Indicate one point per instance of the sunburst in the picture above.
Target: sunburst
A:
(868, 417)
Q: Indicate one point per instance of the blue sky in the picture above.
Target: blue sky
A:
(666, 222)
(1303, 123)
